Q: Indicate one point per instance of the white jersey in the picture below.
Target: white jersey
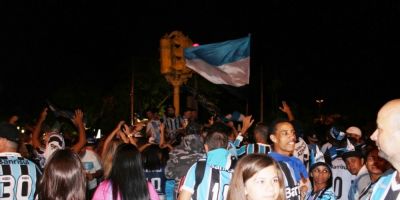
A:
(302, 152)
(325, 147)
(341, 178)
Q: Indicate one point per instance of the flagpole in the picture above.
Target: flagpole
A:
(262, 95)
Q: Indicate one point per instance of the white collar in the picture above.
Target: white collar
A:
(10, 154)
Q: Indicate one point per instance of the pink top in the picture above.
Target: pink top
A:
(104, 191)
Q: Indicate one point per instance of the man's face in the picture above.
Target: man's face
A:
(284, 138)
(149, 115)
(170, 112)
(354, 164)
(375, 164)
(387, 134)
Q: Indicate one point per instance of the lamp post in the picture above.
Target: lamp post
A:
(173, 65)
(319, 102)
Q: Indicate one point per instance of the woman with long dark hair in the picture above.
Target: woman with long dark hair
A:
(126, 180)
(154, 161)
(63, 177)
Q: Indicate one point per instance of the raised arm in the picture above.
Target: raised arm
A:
(37, 129)
(111, 136)
(78, 122)
(286, 109)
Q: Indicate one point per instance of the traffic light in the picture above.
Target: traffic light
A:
(172, 54)
(178, 42)
(165, 55)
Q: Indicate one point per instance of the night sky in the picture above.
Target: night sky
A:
(344, 52)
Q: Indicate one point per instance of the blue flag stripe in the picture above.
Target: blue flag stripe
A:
(220, 53)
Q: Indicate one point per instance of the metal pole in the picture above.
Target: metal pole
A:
(262, 95)
(132, 98)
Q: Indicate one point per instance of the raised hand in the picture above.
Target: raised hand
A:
(78, 117)
(286, 109)
(247, 122)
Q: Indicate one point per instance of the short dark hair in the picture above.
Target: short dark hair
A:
(215, 140)
(274, 124)
(262, 130)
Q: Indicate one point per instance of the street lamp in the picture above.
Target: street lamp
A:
(319, 102)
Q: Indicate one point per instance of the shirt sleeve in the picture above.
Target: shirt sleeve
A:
(241, 151)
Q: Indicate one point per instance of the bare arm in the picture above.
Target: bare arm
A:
(37, 129)
(184, 195)
(111, 136)
(286, 109)
(78, 122)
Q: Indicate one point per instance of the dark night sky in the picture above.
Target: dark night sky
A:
(343, 52)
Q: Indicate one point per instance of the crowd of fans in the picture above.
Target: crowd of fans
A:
(176, 157)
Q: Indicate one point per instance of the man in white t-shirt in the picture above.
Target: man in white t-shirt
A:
(92, 165)
(342, 178)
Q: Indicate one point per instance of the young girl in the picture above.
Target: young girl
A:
(256, 176)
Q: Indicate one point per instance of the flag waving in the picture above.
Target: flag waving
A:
(222, 63)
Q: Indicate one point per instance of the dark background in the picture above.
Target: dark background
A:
(343, 52)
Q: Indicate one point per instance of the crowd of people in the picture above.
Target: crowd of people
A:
(175, 157)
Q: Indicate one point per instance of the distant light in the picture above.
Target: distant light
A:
(196, 45)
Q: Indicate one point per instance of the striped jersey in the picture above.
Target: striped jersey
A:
(216, 179)
(172, 125)
(18, 177)
(387, 187)
(293, 171)
(253, 148)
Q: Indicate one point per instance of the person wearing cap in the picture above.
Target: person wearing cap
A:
(321, 180)
(341, 176)
(18, 175)
(355, 164)
(354, 134)
(320, 177)
(387, 138)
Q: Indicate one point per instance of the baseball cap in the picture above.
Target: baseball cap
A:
(354, 153)
(58, 138)
(354, 130)
(313, 137)
(9, 132)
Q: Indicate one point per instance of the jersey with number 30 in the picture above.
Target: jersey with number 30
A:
(216, 179)
(18, 177)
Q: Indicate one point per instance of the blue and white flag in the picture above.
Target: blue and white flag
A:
(222, 63)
